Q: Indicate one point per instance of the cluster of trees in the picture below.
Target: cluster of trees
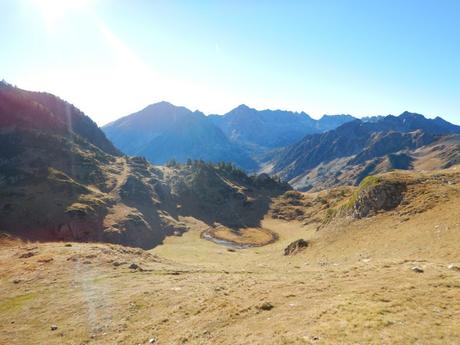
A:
(172, 163)
(226, 167)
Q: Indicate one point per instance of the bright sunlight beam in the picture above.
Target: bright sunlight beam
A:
(52, 11)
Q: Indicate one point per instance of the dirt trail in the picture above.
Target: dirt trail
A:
(122, 177)
(119, 210)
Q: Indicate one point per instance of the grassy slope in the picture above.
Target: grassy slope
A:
(353, 285)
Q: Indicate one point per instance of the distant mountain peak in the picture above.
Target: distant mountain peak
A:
(242, 108)
(162, 104)
(330, 116)
(165, 103)
(408, 114)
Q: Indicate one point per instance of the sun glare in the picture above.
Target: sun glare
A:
(52, 11)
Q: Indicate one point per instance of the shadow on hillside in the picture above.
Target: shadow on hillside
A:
(244, 212)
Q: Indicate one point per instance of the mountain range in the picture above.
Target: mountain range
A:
(267, 129)
(357, 149)
(162, 132)
(308, 153)
(244, 136)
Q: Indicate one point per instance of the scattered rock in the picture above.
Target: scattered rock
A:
(27, 255)
(17, 281)
(265, 306)
(45, 260)
(152, 341)
(231, 250)
(453, 267)
(73, 258)
(68, 245)
(295, 247)
(417, 269)
(134, 266)
(117, 263)
(54, 327)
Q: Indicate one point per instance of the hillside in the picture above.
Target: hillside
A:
(25, 110)
(57, 183)
(356, 149)
(162, 132)
(390, 277)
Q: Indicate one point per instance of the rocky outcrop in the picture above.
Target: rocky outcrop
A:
(385, 195)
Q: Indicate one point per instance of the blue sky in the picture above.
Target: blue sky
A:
(111, 58)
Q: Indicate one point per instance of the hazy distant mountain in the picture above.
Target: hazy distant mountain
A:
(162, 131)
(374, 118)
(268, 129)
(265, 128)
(243, 136)
(355, 149)
(329, 122)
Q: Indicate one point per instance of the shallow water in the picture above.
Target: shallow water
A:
(226, 243)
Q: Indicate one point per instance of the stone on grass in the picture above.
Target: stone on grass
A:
(265, 306)
(134, 266)
(417, 269)
(295, 247)
(454, 267)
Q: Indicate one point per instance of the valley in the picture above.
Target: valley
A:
(98, 247)
(355, 282)
(229, 172)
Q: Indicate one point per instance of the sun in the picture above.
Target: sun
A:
(52, 11)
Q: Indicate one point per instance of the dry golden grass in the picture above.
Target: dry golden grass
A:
(352, 285)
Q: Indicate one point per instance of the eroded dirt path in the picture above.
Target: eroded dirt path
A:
(119, 210)
(122, 177)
